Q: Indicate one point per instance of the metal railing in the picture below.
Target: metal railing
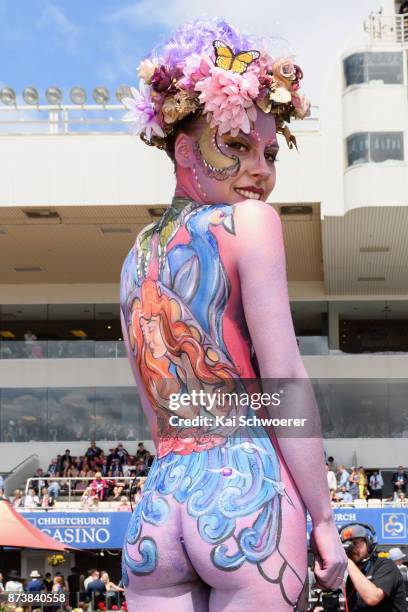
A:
(62, 349)
(89, 118)
(68, 487)
(387, 28)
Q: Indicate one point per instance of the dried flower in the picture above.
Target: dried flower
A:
(301, 105)
(165, 78)
(146, 70)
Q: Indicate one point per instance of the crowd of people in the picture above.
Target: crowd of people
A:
(94, 590)
(93, 478)
(349, 484)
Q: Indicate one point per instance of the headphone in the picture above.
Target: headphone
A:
(371, 537)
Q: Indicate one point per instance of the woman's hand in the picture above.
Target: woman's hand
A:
(330, 558)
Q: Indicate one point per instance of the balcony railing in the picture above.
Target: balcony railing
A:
(387, 28)
(62, 349)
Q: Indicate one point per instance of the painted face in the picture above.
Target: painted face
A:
(152, 336)
(229, 169)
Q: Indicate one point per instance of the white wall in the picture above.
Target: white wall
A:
(369, 452)
(55, 373)
(103, 169)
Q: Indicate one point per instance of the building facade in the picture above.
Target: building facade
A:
(74, 194)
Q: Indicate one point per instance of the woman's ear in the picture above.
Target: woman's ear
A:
(183, 150)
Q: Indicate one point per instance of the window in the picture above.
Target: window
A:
(386, 67)
(374, 147)
(70, 414)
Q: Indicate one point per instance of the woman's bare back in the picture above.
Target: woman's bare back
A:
(220, 513)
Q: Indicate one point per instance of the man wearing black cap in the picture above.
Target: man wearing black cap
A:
(373, 583)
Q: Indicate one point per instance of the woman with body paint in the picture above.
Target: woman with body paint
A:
(221, 524)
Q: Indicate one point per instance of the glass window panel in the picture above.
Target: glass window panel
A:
(23, 415)
(357, 148)
(385, 67)
(71, 414)
(385, 146)
(379, 66)
(119, 415)
(354, 69)
(354, 409)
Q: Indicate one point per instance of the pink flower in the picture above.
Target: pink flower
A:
(196, 68)
(228, 99)
(142, 113)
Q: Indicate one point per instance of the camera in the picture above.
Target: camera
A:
(348, 547)
(331, 601)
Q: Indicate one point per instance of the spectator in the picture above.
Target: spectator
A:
(48, 582)
(39, 484)
(89, 499)
(18, 499)
(344, 496)
(99, 486)
(332, 465)
(353, 483)
(74, 587)
(138, 494)
(141, 470)
(31, 501)
(399, 480)
(57, 587)
(53, 468)
(121, 453)
(96, 589)
(141, 451)
(362, 483)
(149, 458)
(1, 482)
(111, 456)
(54, 490)
(124, 505)
(36, 585)
(1, 583)
(396, 555)
(343, 477)
(3, 496)
(116, 468)
(46, 500)
(331, 480)
(376, 485)
(90, 577)
(112, 590)
(93, 451)
(65, 460)
(13, 583)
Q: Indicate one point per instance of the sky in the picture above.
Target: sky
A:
(101, 42)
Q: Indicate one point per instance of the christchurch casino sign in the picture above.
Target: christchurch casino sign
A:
(83, 530)
(107, 529)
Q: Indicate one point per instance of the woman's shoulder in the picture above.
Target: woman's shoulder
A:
(256, 209)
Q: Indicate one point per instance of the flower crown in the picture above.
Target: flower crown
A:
(227, 88)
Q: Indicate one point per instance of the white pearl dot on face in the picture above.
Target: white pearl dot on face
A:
(198, 183)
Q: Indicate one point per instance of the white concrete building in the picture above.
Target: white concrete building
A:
(74, 195)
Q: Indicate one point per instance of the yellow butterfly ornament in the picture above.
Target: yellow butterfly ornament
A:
(225, 58)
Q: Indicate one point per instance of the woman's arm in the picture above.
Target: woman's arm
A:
(262, 270)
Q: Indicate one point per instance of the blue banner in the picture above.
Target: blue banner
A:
(108, 529)
(83, 529)
(390, 524)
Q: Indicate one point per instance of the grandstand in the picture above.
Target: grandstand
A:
(73, 198)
